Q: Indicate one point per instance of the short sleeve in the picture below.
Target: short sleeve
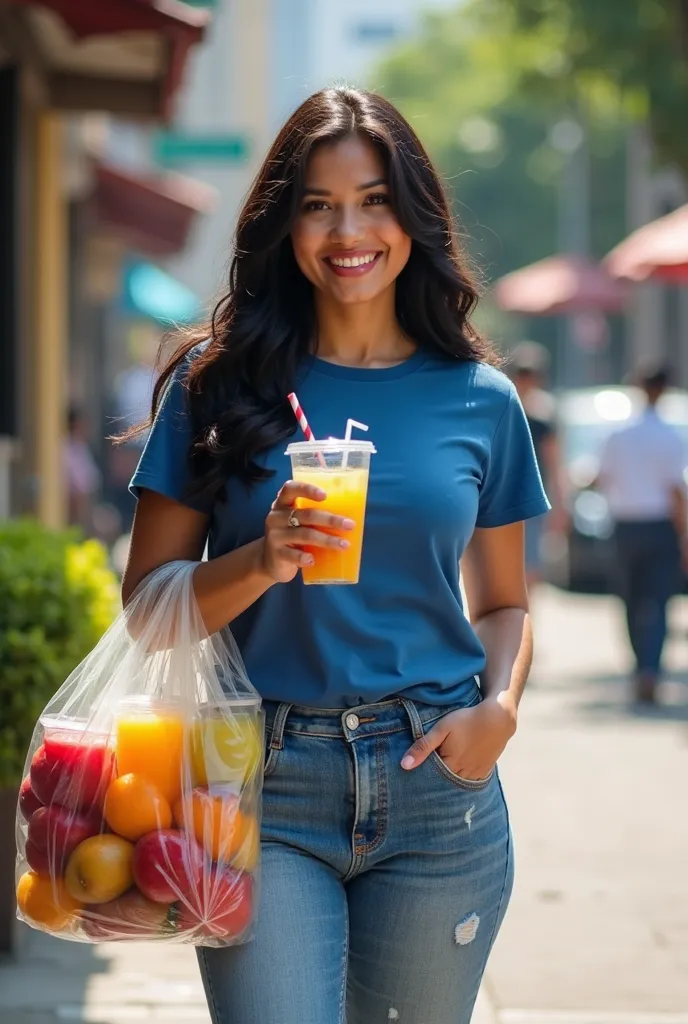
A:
(163, 466)
(511, 488)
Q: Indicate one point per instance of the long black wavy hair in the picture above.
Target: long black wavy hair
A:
(264, 326)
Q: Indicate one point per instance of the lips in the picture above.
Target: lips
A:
(354, 264)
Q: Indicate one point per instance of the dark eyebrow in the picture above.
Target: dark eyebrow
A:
(361, 188)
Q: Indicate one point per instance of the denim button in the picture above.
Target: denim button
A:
(352, 721)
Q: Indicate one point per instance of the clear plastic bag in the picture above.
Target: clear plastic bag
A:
(139, 814)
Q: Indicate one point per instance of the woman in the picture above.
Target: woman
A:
(387, 860)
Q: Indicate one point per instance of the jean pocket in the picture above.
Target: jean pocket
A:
(442, 767)
(471, 785)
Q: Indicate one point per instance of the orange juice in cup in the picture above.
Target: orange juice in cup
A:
(149, 741)
(341, 469)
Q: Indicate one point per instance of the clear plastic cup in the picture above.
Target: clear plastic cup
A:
(227, 742)
(149, 741)
(75, 764)
(341, 469)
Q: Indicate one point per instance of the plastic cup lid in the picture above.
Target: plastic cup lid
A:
(330, 445)
(231, 705)
(72, 726)
(147, 703)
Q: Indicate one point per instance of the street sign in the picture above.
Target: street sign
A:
(177, 147)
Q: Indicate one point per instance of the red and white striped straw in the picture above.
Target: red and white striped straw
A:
(301, 417)
(303, 423)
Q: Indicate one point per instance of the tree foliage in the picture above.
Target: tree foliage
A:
(472, 84)
(635, 51)
(57, 598)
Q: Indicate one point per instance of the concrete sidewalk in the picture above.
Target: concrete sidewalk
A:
(112, 984)
(597, 932)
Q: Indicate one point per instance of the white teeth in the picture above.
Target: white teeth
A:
(356, 261)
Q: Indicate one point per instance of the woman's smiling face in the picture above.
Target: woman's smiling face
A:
(347, 240)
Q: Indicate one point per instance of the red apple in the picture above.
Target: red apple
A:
(37, 859)
(44, 776)
(70, 771)
(132, 915)
(28, 801)
(55, 832)
(225, 906)
(168, 866)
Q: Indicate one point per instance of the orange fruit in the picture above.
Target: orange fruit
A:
(134, 806)
(45, 902)
(217, 822)
(245, 857)
(100, 869)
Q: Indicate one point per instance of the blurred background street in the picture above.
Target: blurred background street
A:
(131, 132)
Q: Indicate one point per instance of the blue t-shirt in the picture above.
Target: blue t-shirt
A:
(453, 452)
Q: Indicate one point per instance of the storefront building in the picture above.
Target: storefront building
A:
(60, 58)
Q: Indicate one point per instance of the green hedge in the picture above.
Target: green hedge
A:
(57, 598)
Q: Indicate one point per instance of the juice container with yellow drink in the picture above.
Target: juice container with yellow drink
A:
(227, 743)
(149, 741)
(340, 468)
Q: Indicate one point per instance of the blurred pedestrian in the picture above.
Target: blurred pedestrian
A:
(81, 472)
(529, 368)
(642, 476)
(387, 858)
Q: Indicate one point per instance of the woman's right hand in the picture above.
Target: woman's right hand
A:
(282, 554)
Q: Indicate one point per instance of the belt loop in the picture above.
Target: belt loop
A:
(414, 718)
(277, 739)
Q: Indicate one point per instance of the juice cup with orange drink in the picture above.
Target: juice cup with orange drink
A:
(340, 468)
(149, 741)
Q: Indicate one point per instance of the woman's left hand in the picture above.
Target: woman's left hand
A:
(469, 740)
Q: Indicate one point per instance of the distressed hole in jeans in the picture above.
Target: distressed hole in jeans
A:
(393, 1014)
(466, 930)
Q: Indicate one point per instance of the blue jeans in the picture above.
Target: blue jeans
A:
(382, 890)
(648, 569)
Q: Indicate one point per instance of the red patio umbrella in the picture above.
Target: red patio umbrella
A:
(657, 250)
(564, 284)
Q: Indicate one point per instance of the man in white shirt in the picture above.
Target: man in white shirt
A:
(642, 476)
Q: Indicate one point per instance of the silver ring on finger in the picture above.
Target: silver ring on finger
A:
(293, 520)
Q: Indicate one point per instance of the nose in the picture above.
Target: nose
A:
(347, 228)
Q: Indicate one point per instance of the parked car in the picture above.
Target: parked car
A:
(586, 417)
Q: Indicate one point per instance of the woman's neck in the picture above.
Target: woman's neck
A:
(364, 334)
